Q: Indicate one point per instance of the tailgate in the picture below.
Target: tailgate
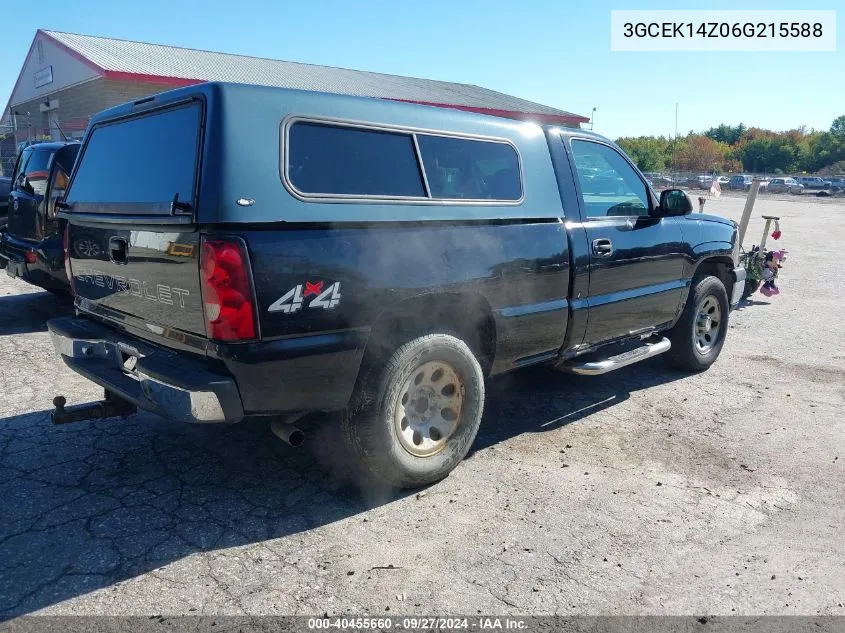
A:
(149, 274)
(131, 204)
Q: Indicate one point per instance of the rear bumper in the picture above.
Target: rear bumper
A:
(739, 285)
(46, 271)
(172, 386)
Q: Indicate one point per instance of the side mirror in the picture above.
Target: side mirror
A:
(22, 184)
(674, 202)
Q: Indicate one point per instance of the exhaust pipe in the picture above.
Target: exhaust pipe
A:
(287, 432)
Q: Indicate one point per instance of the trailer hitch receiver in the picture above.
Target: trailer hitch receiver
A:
(111, 407)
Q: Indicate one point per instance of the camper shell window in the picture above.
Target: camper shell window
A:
(328, 160)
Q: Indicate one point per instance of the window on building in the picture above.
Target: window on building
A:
(336, 160)
(460, 168)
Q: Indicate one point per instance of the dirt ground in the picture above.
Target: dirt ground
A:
(645, 491)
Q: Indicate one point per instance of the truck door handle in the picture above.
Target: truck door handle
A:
(602, 247)
(117, 250)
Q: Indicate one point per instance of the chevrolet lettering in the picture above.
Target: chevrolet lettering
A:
(169, 295)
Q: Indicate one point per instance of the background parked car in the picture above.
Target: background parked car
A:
(5, 187)
(837, 183)
(659, 181)
(814, 182)
(700, 182)
(740, 182)
(785, 185)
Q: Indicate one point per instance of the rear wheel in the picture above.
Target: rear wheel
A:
(87, 248)
(699, 334)
(419, 412)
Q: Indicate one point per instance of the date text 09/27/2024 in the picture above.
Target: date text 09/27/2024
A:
(419, 623)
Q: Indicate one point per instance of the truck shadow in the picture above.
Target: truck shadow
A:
(25, 313)
(89, 505)
(540, 399)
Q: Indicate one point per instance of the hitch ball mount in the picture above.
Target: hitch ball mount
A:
(112, 406)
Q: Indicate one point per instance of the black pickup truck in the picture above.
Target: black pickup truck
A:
(31, 244)
(5, 188)
(375, 258)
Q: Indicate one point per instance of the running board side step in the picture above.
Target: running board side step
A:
(596, 367)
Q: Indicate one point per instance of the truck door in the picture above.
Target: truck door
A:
(636, 261)
(27, 196)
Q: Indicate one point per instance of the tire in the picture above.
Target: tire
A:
(406, 400)
(87, 248)
(695, 346)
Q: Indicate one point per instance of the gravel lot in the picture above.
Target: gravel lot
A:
(643, 491)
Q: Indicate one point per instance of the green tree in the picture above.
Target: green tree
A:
(648, 152)
(735, 147)
(729, 134)
(837, 128)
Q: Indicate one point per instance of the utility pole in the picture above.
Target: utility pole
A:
(593, 119)
(675, 141)
(676, 119)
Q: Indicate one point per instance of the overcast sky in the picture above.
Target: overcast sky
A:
(554, 52)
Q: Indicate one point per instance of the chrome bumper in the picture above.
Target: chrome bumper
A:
(739, 285)
(170, 385)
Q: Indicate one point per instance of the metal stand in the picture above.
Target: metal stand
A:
(769, 219)
(746, 212)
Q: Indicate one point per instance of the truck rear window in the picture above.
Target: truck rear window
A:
(143, 161)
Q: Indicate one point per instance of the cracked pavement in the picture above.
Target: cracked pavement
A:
(643, 491)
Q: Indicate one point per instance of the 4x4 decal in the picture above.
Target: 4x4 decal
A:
(293, 300)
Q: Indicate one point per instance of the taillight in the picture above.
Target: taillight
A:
(30, 257)
(226, 290)
(65, 247)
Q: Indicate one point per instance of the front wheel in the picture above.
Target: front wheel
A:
(698, 336)
(419, 413)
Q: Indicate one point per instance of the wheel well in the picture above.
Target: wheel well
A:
(466, 316)
(719, 267)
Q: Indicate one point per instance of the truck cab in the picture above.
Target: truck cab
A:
(372, 258)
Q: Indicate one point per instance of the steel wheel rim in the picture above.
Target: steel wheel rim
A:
(428, 409)
(87, 248)
(708, 324)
